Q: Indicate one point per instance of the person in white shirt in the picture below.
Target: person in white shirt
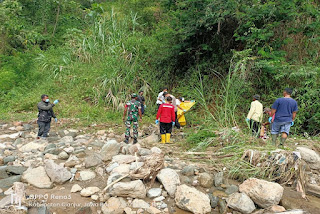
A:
(161, 98)
(255, 115)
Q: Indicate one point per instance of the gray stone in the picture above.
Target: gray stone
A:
(191, 199)
(87, 175)
(169, 179)
(154, 192)
(232, 189)
(16, 170)
(213, 200)
(133, 189)
(205, 180)
(241, 202)
(310, 156)
(86, 192)
(263, 193)
(188, 170)
(63, 155)
(93, 160)
(135, 165)
(110, 149)
(114, 206)
(17, 141)
(52, 151)
(27, 127)
(57, 173)
(139, 204)
(123, 159)
(111, 167)
(9, 159)
(5, 201)
(97, 143)
(37, 177)
(50, 146)
(218, 179)
(144, 152)
(8, 182)
(3, 172)
(53, 139)
(222, 205)
(185, 180)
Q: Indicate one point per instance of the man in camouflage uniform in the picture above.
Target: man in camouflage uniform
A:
(131, 111)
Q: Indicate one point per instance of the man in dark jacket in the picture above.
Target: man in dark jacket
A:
(45, 115)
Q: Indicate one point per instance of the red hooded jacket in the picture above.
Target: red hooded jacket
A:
(166, 113)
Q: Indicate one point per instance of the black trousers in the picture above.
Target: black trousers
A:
(44, 128)
(177, 125)
(255, 127)
(165, 128)
(142, 109)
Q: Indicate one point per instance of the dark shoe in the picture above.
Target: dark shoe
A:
(126, 141)
(135, 141)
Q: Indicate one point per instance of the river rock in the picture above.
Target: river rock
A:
(86, 192)
(133, 189)
(75, 188)
(263, 193)
(153, 210)
(122, 169)
(218, 179)
(153, 138)
(156, 150)
(205, 180)
(63, 155)
(214, 200)
(86, 175)
(37, 177)
(232, 189)
(8, 182)
(110, 149)
(188, 170)
(9, 159)
(114, 206)
(190, 199)
(144, 152)
(93, 160)
(123, 159)
(15, 170)
(139, 204)
(111, 166)
(57, 173)
(310, 156)
(169, 179)
(154, 192)
(241, 202)
(67, 139)
(32, 146)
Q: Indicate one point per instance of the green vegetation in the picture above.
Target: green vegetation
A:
(92, 54)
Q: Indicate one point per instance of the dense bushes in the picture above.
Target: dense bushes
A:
(217, 52)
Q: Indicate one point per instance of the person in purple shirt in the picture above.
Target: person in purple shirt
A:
(285, 110)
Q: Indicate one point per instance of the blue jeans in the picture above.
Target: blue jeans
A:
(280, 127)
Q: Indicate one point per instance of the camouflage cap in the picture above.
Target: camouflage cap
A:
(134, 95)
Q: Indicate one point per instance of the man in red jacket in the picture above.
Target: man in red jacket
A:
(167, 118)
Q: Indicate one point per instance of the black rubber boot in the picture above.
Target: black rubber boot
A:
(135, 141)
(126, 140)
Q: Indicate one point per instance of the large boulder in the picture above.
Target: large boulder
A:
(110, 149)
(114, 206)
(169, 179)
(241, 202)
(93, 160)
(32, 146)
(190, 199)
(310, 157)
(58, 174)
(133, 189)
(8, 182)
(37, 177)
(263, 193)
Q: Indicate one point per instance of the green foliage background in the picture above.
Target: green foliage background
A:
(92, 54)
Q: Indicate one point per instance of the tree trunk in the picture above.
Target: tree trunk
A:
(57, 19)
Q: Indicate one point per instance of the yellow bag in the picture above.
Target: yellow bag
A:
(180, 114)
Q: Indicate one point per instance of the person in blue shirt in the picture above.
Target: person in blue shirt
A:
(285, 110)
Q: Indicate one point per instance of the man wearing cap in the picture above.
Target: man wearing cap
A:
(161, 98)
(130, 116)
(44, 116)
(285, 110)
(255, 115)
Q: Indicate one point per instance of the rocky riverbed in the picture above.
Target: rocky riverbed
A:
(74, 171)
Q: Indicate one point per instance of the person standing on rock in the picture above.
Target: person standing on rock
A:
(285, 111)
(161, 98)
(130, 116)
(142, 101)
(167, 117)
(255, 115)
(44, 116)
